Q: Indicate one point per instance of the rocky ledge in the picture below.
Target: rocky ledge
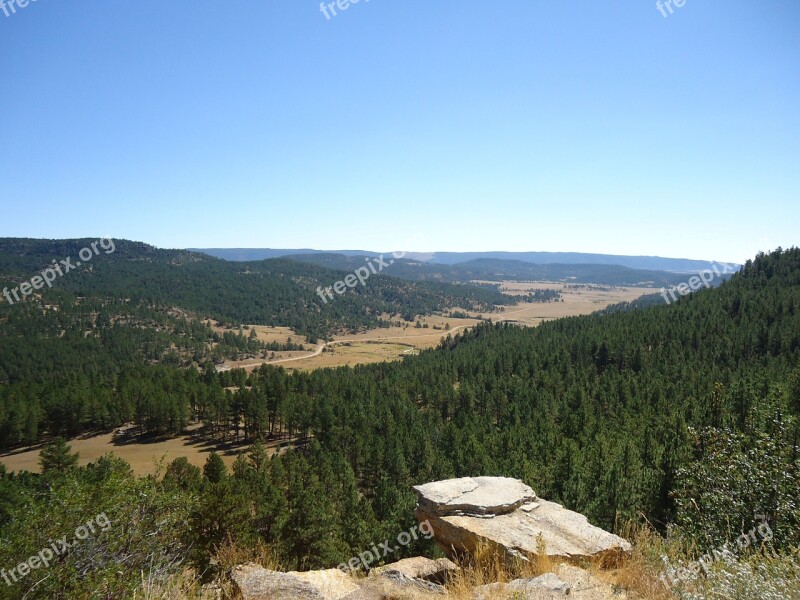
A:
(507, 516)
(465, 514)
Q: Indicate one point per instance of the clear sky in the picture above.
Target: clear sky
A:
(569, 125)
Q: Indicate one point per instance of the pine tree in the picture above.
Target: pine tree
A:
(183, 474)
(311, 535)
(57, 458)
(258, 456)
(215, 470)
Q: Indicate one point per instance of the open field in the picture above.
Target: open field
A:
(354, 353)
(143, 456)
(265, 333)
(394, 342)
(578, 300)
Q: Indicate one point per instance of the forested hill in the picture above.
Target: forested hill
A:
(684, 415)
(270, 292)
(495, 269)
(608, 413)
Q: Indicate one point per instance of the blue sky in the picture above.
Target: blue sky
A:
(596, 126)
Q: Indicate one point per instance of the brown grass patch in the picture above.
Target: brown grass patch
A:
(144, 455)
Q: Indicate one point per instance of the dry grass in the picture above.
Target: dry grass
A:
(230, 555)
(264, 333)
(187, 585)
(641, 572)
(487, 566)
(578, 300)
(637, 575)
(144, 456)
(354, 353)
(141, 456)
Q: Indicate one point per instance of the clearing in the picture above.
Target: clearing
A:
(392, 343)
(143, 455)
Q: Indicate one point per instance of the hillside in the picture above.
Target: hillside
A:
(270, 292)
(682, 416)
(490, 269)
(133, 305)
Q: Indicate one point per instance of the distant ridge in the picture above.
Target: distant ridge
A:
(657, 263)
(496, 270)
(249, 254)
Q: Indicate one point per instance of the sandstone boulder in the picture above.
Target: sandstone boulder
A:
(465, 514)
(394, 585)
(586, 586)
(257, 583)
(436, 571)
(568, 582)
(544, 587)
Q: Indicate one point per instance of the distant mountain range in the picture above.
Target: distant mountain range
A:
(651, 263)
(490, 269)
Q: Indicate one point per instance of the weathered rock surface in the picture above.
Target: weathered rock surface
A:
(585, 586)
(474, 496)
(392, 585)
(466, 515)
(257, 583)
(331, 583)
(436, 571)
(569, 582)
(544, 587)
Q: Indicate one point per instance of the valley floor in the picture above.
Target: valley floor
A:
(378, 345)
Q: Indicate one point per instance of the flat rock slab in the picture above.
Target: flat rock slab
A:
(394, 585)
(436, 571)
(333, 584)
(569, 582)
(476, 496)
(257, 583)
(544, 587)
(586, 586)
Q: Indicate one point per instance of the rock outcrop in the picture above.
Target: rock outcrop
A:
(568, 582)
(497, 514)
(506, 516)
(543, 587)
(436, 571)
(393, 585)
(257, 583)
